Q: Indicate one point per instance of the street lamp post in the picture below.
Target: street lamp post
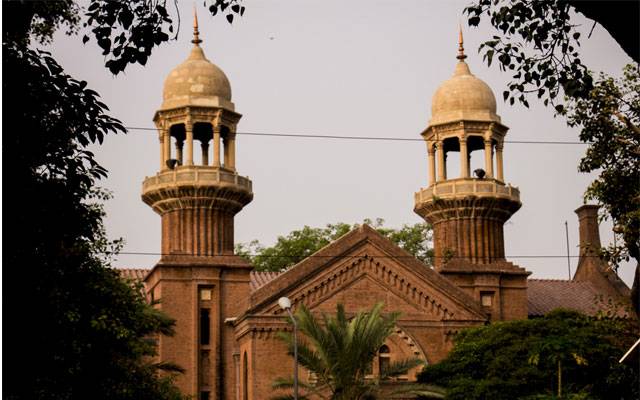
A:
(285, 304)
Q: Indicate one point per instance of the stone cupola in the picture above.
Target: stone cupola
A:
(468, 212)
(197, 190)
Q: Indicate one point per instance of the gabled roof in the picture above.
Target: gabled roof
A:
(350, 246)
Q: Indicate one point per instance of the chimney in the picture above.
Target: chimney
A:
(590, 267)
(589, 233)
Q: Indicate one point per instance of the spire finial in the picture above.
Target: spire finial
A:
(461, 56)
(196, 34)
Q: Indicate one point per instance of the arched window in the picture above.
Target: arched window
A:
(384, 357)
(245, 377)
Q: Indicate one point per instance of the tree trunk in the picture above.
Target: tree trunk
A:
(559, 378)
(635, 290)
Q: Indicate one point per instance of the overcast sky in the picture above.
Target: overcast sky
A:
(329, 67)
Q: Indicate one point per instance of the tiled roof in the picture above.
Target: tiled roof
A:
(259, 279)
(545, 295)
(136, 274)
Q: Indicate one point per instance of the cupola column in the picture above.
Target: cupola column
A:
(189, 130)
(179, 144)
(216, 145)
(499, 169)
(205, 153)
(464, 158)
(232, 151)
(442, 173)
(432, 163)
(166, 144)
(161, 140)
(488, 158)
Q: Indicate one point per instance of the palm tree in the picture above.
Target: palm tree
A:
(339, 351)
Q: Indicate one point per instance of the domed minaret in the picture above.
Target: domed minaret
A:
(468, 212)
(197, 192)
(197, 200)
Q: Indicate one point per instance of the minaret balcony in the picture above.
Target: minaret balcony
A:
(197, 186)
(464, 187)
(196, 175)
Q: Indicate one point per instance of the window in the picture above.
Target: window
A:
(245, 377)
(204, 326)
(369, 370)
(205, 294)
(204, 395)
(486, 299)
(383, 359)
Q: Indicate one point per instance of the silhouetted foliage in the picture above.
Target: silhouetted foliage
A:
(75, 329)
(538, 40)
(523, 359)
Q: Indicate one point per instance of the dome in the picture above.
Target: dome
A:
(196, 82)
(463, 97)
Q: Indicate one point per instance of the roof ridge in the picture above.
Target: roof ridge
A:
(554, 280)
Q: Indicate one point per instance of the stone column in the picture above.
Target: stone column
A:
(464, 158)
(432, 163)
(179, 145)
(166, 148)
(205, 153)
(500, 171)
(225, 150)
(189, 129)
(488, 158)
(216, 145)
(231, 143)
(442, 173)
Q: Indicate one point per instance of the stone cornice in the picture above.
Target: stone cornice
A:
(393, 279)
(213, 115)
(464, 128)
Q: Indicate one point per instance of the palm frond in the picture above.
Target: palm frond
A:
(167, 366)
(339, 350)
(428, 391)
(287, 383)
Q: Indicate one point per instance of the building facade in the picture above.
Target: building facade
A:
(227, 315)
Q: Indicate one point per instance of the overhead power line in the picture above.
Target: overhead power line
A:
(140, 253)
(369, 138)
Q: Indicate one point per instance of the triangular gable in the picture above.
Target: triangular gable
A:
(364, 255)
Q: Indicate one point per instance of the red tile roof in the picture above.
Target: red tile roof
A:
(135, 274)
(545, 295)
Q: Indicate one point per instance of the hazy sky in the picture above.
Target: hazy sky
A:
(329, 67)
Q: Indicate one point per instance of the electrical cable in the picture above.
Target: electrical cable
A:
(369, 138)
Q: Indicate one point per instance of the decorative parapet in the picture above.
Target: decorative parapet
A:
(197, 186)
(196, 175)
(463, 187)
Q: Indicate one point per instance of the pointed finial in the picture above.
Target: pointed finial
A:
(461, 56)
(196, 34)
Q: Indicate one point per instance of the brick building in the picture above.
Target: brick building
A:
(227, 315)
